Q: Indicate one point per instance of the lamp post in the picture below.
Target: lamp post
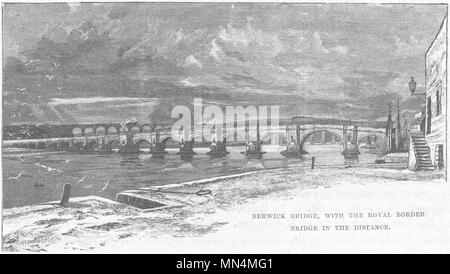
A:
(412, 87)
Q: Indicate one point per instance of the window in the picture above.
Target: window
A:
(440, 156)
(428, 115)
(438, 103)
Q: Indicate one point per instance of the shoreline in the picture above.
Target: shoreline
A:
(215, 179)
(96, 224)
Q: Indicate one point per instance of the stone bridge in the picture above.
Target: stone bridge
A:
(91, 136)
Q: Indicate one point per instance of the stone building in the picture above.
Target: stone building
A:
(436, 97)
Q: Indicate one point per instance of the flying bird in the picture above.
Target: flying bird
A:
(38, 184)
(16, 177)
(67, 161)
(47, 168)
(105, 187)
(21, 89)
(49, 77)
(31, 61)
(81, 180)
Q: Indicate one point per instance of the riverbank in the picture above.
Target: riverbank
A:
(223, 221)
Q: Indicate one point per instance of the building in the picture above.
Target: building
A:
(436, 98)
(397, 131)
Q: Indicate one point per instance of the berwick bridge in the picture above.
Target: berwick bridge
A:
(88, 137)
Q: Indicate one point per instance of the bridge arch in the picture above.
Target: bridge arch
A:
(142, 141)
(100, 131)
(89, 132)
(135, 129)
(146, 128)
(112, 130)
(305, 135)
(267, 137)
(363, 136)
(77, 132)
(165, 139)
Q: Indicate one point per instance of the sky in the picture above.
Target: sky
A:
(140, 59)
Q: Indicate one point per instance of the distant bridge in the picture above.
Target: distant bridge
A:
(90, 136)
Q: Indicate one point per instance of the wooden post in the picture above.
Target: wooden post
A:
(65, 195)
(344, 135)
(297, 133)
(312, 162)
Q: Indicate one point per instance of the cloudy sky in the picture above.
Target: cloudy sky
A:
(102, 62)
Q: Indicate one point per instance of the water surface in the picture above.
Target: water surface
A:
(126, 172)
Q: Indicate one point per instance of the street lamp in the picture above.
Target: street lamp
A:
(412, 87)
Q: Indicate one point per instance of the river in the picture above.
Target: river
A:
(125, 172)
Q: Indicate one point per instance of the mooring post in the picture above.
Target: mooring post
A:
(65, 195)
(312, 162)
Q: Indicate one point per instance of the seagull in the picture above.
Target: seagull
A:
(38, 184)
(49, 77)
(16, 177)
(47, 168)
(21, 89)
(81, 180)
(67, 162)
(56, 64)
(31, 61)
(105, 187)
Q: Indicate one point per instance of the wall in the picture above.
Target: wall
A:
(436, 80)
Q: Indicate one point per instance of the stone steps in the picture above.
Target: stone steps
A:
(422, 152)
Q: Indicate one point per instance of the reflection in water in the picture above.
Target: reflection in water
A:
(132, 171)
(352, 160)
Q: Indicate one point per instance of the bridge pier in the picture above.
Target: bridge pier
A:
(350, 143)
(323, 138)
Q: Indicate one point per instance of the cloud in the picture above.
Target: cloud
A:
(317, 43)
(339, 49)
(252, 41)
(285, 49)
(410, 46)
(187, 83)
(216, 51)
(73, 6)
(141, 50)
(192, 61)
(304, 71)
